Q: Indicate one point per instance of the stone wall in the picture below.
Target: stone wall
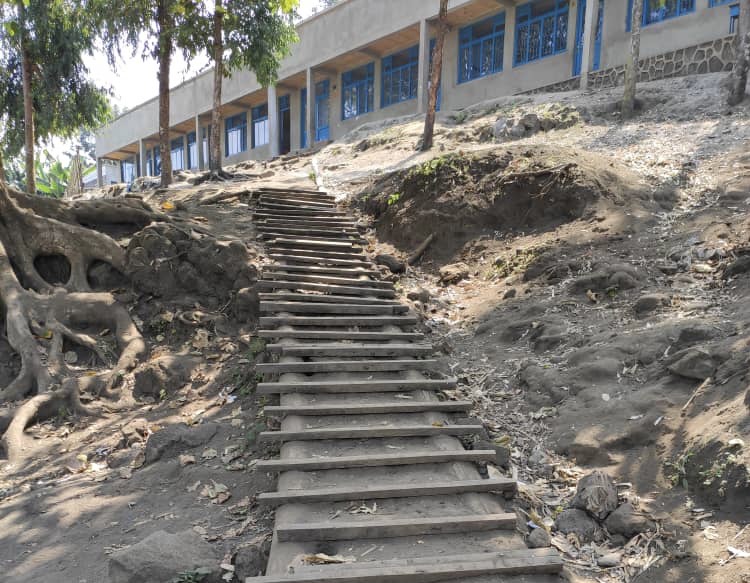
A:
(710, 57)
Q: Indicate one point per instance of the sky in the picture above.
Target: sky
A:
(135, 79)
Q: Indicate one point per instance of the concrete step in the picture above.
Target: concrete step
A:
(311, 269)
(326, 299)
(337, 494)
(301, 210)
(376, 461)
(309, 230)
(319, 278)
(344, 387)
(306, 202)
(395, 407)
(344, 335)
(317, 260)
(319, 254)
(308, 243)
(340, 321)
(344, 366)
(348, 239)
(326, 288)
(320, 308)
(265, 214)
(316, 223)
(346, 349)
(372, 528)
(369, 432)
(429, 569)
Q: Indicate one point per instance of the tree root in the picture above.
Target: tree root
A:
(38, 321)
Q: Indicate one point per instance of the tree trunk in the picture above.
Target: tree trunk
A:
(435, 75)
(165, 57)
(632, 66)
(28, 102)
(218, 57)
(738, 77)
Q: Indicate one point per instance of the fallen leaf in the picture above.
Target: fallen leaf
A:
(186, 460)
(592, 296)
(323, 559)
(168, 205)
(209, 454)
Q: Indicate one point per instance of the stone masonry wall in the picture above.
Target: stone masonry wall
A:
(710, 57)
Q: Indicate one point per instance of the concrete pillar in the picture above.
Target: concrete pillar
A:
(185, 156)
(273, 121)
(142, 153)
(424, 66)
(199, 143)
(310, 122)
(589, 32)
(377, 85)
(99, 173)
(510, 37)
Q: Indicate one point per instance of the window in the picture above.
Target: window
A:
(659, 10)
(235, 134)
(153, 162)
(541, 30)
(128, 171)
(712, 3)
(400, 76)
(734, 18)
(358, 92)
(177, 151)
(261, 128)
(480, 50)
(192, 151)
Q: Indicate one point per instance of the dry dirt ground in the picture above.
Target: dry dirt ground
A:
(585, 277)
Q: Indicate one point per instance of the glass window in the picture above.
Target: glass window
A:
(734, 18)
(177, 149)
(128, 170)
(400, 76)
(358, 91)
(541, 30)
(235, 134)
(261, 129)
(660, 10)
(481, 48)
(192, 151)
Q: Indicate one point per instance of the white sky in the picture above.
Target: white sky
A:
(135, 80)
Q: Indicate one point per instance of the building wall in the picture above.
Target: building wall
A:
(359, 22)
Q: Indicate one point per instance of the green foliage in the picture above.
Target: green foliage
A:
(430, 171)
(196, 576)
(677, 470)
(257, 346)
(52, 177)
(56, 35)
(394, 198)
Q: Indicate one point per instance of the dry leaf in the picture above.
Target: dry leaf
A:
(592, 296)
(323, 559)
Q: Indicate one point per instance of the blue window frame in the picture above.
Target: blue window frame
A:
(322, 110)
(235, 134)
(261, 129)
(400, 76)
(712, 3)
(127, 169)
(734, 18)
(358, 91)
(153, 161)
(303, 118)
(541, 30)
(192, 151)
(660, 10)
(177, 152)
(480, 48)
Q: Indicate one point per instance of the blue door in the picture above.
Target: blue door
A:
(580, 27)
(598, 37)
(322, 110)
(303, 119)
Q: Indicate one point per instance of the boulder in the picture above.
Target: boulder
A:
(578, 522)
(394, 264)
(530, 122)
(596, 494)
(134, 431)
(500, 130)
(738, 267)
(453, 273)
(163, 376)
(622, 281)
(539, 538)
(174, 439)
(162, 557)
(628, 521)
(251, 560)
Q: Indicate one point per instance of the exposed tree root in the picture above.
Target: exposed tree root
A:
(39, 320)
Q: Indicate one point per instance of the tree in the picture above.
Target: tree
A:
(738, 77)
(245, 35)
(158, 29)
(44, 85)
(435, 75)
(632, 67)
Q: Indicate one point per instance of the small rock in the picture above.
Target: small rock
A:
(173, 439)
(693, 364)
(610, 560)
(391, 262)
(419, 295)
(511, 293)
(453, 273)
(251, 560)
(627, 521)
(71, 357)
(650, 302)
(163, 556)
(539, 539)
(668, 268)
(500, 130)
(622, 281)
(530, 122)
(134, 431)
(597, 494)
(578, 522)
